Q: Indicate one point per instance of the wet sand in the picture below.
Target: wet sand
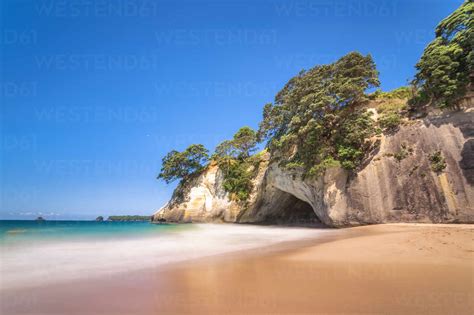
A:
(381, 269)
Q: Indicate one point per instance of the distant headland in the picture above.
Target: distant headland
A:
(126, 218)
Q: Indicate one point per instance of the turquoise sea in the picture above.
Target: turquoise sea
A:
(38, 253)
(22, 231)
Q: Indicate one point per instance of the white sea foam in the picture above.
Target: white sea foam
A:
(52, 262)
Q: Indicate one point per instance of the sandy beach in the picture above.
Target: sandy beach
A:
(379, 269)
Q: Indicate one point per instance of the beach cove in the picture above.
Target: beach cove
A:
(393, 269)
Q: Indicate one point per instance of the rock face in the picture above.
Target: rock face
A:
(396, 184)
(200, 199)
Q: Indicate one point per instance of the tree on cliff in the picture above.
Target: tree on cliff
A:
(245, 141)
(314, 121)
(241, 146)
(181, 165)
(235, 161)
(447, 62)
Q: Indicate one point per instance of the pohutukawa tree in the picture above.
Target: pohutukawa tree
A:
(235, 161)
(182, 165)
(448, 61)
(314, 121)
(242, 145)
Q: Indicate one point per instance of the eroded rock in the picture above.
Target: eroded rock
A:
(396, 184)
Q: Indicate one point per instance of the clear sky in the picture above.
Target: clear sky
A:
(94, 93)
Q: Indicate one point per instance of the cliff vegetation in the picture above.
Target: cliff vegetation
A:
(333, 115)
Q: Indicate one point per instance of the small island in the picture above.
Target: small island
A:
(40, 219)
(99, 218)
(128, 218)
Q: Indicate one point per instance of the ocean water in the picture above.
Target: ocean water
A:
(20, 232)
(40, 253)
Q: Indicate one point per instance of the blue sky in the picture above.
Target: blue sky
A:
(94, 93)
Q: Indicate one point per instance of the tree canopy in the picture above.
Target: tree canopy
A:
(245, 141)
(446, 63)
(181, 165)
(235, 161)
(241, 146)
(314, 118)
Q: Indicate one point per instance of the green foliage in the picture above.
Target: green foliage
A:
(438, 163)
(403, 92)
(390, 121)
(238, 179)
(400, 155)
(234, 159)
(351, 138)
(241, 146)
(294, 165)
(232, 156)
(245, 141)
(403, 152)
(225, 151)
(349, 156)
(444, 68)
(391, 106)
(316, 123)
(181, 165)
(391, 113)
(307, 98)
(325, 164)
(315, 119)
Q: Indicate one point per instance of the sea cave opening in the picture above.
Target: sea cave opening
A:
(287, 209)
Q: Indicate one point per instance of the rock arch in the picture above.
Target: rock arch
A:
(281, 207)
(287, 199)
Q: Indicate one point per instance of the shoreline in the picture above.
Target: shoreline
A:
(390, 268)
(38, 262)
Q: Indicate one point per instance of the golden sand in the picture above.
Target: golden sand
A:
(381, 269)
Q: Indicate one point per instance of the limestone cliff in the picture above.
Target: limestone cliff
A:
(396, 184)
